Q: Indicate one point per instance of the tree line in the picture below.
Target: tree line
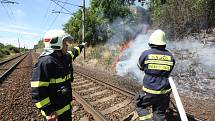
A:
(177, 17)
(8, 50)
(182, 17)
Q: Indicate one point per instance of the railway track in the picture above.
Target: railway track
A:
(104, 101)
(7, 66)
(15, 93)
(107, 102)
(94, 100)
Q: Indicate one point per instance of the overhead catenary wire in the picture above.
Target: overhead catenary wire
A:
(8, 1)
(83, 16)
(48, 14)
(9, 11)
(12, 14)
(6, 11)
(12, 17)
(54, 20)
(44, 20)
(53, 11)
(69, 3)
(62, 7)
(15, 21)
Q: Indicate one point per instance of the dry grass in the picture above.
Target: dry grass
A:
(97, 57)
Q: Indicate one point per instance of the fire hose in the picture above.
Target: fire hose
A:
(180, 107)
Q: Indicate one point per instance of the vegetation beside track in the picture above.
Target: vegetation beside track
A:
(8, 50)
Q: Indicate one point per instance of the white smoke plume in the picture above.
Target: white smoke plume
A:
(194, 72)
(128, 63)
(122, 30)
(196, 54)
(194, 69)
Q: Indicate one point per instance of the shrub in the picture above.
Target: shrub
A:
(103, 54)
(5, 51)
(96, 53)
(1, 54)
(14, 49)
(1, 45)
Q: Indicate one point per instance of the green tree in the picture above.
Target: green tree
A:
(183, 16)
(39, 45)
(74, 25)
(98, 15)
(1, 45)
(111, 9)
(7, 50)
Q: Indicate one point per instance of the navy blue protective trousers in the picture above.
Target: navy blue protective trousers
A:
(159, 103)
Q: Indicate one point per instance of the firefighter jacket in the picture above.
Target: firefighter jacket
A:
(157, 64)
(51, 82)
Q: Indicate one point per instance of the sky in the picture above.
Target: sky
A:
(27, 21)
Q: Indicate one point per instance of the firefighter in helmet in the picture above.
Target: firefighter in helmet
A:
(157, 63)
(52, 76)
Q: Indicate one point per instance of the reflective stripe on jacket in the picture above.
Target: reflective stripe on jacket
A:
(157, 65)
(51, 82)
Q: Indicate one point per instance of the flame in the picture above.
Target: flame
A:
(125, 45)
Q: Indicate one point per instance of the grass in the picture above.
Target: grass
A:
(99, 56)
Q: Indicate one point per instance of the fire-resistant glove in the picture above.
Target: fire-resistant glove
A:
(52, 117)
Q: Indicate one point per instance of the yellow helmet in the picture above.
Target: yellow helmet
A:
(53, 39)
(158, 37)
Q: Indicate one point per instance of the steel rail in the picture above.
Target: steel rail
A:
(131, 94)
(89, 108)
(6, 73)
(3, 62)
(111, 87)
(123, 91)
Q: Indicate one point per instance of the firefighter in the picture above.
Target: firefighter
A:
(157, 63)
(52, 76)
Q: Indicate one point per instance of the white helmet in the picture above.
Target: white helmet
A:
(53, 40)
(157, 38)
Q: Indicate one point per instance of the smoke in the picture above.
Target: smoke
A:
(194, 69)
(191, 53)
(128, 63)
(195, 61)
(133, 33)
(123, 31)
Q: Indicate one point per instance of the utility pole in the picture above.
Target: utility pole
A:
(83, 16)
(19, 45)
(83, 26)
